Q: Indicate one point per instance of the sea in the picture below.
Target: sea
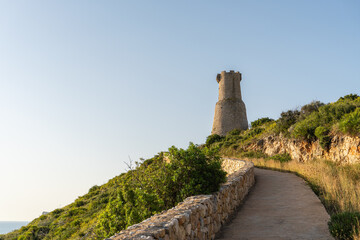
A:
(6, 227)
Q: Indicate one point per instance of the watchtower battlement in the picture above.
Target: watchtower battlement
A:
(230, 111)
(224, 73)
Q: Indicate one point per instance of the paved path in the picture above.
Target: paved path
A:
(280, 206)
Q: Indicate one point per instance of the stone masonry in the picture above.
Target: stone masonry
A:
(198, 217)
(230, 111)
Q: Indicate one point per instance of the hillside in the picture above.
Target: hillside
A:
(319, 142)
(317, 130)
(152, 186)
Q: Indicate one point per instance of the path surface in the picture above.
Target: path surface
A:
(280, 206)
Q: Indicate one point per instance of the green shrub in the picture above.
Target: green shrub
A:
(306, 129)
(113, 218)
(234, 132)
(350, 123)
(307, 109)
(326, 116)
(34, 233)
(322, 133)
(232, 138)
(75, 211)
(311, 116)
(286, 120)
(254, 154)
(344, 225)
(227, 143)
(283, 157)
(217, 145)
(128, 207)
(213, 139)
(261, 121)
(76, 223)
(79, 203)
(194, 171)
(94, 188)
(156, 185)
(334, 112)
(57, 212)
(350, 97)
(235, 146)
(251, 133)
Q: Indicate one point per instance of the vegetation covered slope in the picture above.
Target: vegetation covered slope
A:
(338, 186)
(314, 121)
(154, 185)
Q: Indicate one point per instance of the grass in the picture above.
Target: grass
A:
(152, 186)
(337, 186)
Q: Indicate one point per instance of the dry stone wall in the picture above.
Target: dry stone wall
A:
(198, 217)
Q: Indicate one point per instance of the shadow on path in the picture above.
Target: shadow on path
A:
(280, 206)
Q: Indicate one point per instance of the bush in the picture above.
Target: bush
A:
(94, 188)
(194, 171)
(326, 116)
(156, 185)
(344, 225)
(307, 109)
(306, 129)
(350, 97)
(350, 123)
(286, 120)
(284, 157)
(334, 112)
(213, 139)
(311, 116)
(322, 133)
(128, 207)
(311, 107)
(234, 132)
(75, 211)
(79, 203)
(34, 233)
(261, 121)
(253, 132)
(231, 139)
(57, 212)
(253, 154)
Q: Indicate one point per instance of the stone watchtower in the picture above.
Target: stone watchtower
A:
(230, 111)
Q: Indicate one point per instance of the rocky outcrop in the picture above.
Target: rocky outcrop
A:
(198, 217)
(343, 149)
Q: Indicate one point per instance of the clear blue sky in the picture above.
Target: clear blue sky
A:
(84, 85)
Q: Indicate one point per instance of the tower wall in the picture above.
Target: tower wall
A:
(230, 111)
